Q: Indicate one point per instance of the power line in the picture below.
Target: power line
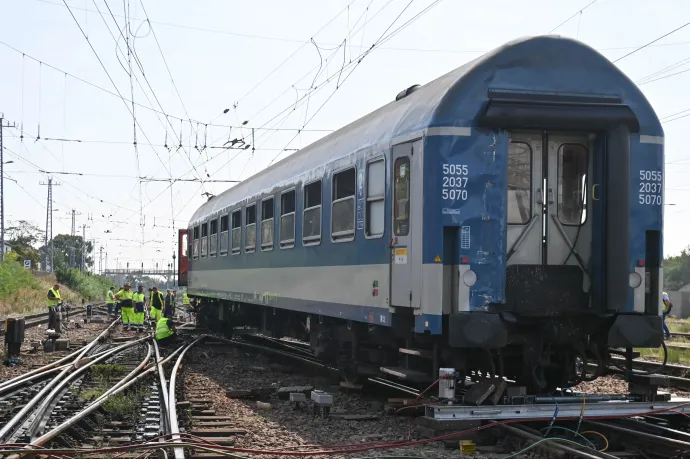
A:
(575, 14)
(653, 41)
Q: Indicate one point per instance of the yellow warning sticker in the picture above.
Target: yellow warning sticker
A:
(401, 255)
(437, 259)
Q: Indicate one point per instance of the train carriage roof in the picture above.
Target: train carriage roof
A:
(544, 64)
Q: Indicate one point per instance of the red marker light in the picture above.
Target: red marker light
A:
(464, 260)
(640, 263)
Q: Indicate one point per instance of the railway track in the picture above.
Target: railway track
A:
(34, 320)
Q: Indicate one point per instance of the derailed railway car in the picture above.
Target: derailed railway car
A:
(504, 219)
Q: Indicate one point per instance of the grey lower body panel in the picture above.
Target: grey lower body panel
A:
(636, 331)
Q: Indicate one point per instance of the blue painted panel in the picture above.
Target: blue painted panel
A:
(372, 315)
(431, 323)
(361, 251)
(646, 198)
(465, 179)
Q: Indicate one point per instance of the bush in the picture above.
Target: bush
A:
(14, 277)
(23, 293)
(90, 287)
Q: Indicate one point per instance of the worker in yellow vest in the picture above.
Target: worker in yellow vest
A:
(156, 305)
(165, 331)
(125, 298)
(110, 300)
(54, 300)
(139, 300)
(665, 312)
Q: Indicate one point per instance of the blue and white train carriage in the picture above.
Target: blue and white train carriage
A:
(506, 217)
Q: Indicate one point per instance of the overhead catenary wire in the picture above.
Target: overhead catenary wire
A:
(651, 42)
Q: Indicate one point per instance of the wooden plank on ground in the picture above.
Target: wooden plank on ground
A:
(218, 432)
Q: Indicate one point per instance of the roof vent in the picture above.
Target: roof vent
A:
(406, 92)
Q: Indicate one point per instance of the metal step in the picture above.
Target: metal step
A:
(406, 374)
(418, 352)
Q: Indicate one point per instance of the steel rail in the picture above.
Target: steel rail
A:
(163, 383)
(46, 437)
(43, 407)
(42, 318)
(172, 402)
(637, 433)
(113, 391)
(273, 351)
(23, 412)
(42, 374)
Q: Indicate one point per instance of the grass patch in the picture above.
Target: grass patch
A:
(678, 326)
(122, 405)
(22, 293)
(104, 373)
(90, 287)
(92, 394)
(675, 355)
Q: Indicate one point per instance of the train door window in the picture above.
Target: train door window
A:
(236, 241)
(519, 183)
(343, 206)
(250, 228)
(195, 243)
(267, 224)
(376, 186)
(184, 245)
(224, 235)
(287, 219)
(213, 238)
(190, 239)
(401, 211)
(572, 179)
(204, 240)
(311, 216)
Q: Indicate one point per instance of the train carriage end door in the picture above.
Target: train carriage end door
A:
(525, 199)
(182, 257)
(406, 246)
(569, 226)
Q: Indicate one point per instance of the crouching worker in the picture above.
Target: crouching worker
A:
(165, 332)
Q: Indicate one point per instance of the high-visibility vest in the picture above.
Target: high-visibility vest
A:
(160, 298)
(110, 299)
(126, 298)
(138, 298)
(664, 295)
(185, 299)
(162, 329)
(52, 302)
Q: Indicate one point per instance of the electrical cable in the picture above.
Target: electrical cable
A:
(606, 440)
(653, 41)
(565, 429)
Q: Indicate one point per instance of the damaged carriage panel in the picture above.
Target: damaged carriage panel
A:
(464, 212)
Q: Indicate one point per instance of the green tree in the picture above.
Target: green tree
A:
(24, 237)
(677, 270)
(67, 248)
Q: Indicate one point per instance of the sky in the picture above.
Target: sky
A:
(292, 70)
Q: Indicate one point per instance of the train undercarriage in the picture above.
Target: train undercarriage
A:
(542, 353)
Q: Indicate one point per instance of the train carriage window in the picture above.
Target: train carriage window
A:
(250, 229)
(236, 241)
(195, 243)
(311, 216)
(267, 224)
(213, 238)
(376, 186)
(287, 219)
(223, 235)
(343, 205)
(572, 179)
(519, 183)
(401, 211)
(204, 240)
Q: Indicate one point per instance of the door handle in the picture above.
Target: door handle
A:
(551, 197)
(539, 197)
